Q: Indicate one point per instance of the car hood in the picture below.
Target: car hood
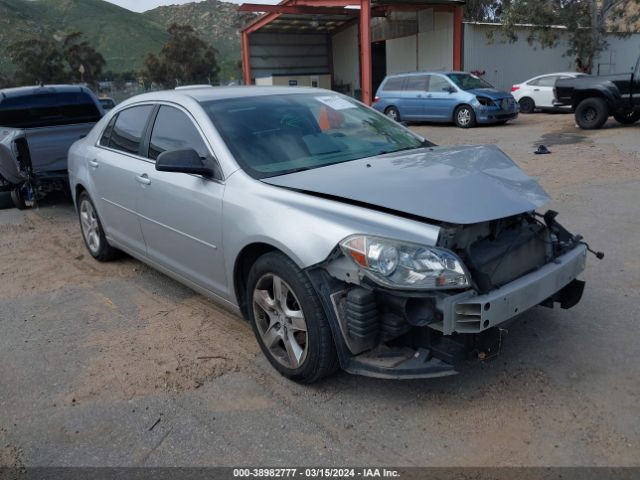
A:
(491, 93)
(463, 185)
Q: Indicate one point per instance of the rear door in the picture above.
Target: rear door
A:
(115, 172)
(542, 90)
(440, 101)
(180, 213)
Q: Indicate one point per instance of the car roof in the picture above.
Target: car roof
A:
(405, 74)
(208, 93)
(36, 89)
(554, 74)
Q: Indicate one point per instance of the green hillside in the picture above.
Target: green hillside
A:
(123, 37)
(216, 22)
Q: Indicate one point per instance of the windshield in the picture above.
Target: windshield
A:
(278, 134)
(466, 81)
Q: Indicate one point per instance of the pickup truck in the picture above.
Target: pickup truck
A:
(595, 99)
(37, 127)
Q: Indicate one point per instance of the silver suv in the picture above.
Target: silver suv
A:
(344, 238)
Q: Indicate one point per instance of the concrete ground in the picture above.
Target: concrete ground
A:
(117, 365)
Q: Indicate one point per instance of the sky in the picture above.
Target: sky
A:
(142, 5)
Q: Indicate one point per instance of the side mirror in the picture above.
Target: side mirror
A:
(183, 161)
(449, 89)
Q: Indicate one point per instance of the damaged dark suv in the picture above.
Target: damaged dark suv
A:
(346, 239)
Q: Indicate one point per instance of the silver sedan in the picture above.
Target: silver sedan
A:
(344, 238)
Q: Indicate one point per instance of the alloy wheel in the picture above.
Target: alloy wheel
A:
(90, 226)
(280, 321)
(464, 117)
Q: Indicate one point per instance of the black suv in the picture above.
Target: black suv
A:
(594, 99)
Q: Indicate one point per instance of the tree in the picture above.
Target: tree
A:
(40, 60)
(482, 10)
(37, 61)
(184, 59)
(587, 23)
(77, 52)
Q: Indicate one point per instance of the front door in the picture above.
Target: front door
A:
(441, 98)
(181, 214)
(114, 169)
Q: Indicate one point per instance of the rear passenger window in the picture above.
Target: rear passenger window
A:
(395, 83)
(174, 130)
(545, 81)
(106, 135)
(128, 129)
(417, 83)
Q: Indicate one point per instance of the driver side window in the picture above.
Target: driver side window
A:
(174, 130)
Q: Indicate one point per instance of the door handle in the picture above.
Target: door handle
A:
(94, 163)
(536, 89)
(143, 179)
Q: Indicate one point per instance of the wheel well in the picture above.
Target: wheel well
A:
(245, 260)
(583, 95)
(79, 189)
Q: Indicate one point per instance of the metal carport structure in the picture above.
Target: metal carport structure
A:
(329, 17)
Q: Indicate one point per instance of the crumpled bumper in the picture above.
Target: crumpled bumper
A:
(472, 313)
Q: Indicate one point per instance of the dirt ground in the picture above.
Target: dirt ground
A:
(117, 365)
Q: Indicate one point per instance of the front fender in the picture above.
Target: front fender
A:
(304, 227)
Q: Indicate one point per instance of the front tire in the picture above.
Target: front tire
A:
(464, 117)
(17, 197)
(527, 105)
(627, 118)
(288, 320)
(592, 113)
(92, 231)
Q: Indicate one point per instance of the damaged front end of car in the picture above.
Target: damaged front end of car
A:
(404, 310)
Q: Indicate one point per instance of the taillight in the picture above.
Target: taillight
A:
(376, 99)
(515, 88)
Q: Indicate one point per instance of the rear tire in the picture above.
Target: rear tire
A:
(464, 117)
(17, 197)
(392, 113)
(288, 320)
(592, 113)
(92, 231)
(527, 105)
(627, 118)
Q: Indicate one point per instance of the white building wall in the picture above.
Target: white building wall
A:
(435, 40)
(508, 63)
(401, 55)
(620, 56)
(431, 49)
(346, 58)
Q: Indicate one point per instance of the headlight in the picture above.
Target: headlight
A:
(397, 264)
(484, 101)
